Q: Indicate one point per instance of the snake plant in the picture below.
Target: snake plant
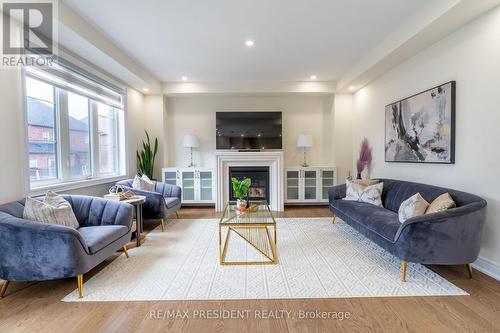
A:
(146, 158)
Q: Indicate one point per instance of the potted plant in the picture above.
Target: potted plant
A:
(240, 191)
(146, 158)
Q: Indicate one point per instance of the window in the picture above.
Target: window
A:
(41, 129)
(75, 128)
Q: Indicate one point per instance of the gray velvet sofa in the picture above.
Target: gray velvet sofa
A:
(160, 204)
(35, 251)
(451, 237)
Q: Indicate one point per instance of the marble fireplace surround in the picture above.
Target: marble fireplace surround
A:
(271, 159)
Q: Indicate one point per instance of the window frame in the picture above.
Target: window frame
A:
(64, 180)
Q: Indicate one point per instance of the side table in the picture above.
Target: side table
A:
(137, 201)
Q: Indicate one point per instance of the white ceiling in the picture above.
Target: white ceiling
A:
(204, 39)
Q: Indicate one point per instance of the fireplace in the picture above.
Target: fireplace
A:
(259, 190)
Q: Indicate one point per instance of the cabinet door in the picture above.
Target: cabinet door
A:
(170, 177)
(205, 178)
(327, 182)
(310, 178)
(292, 183)
(188, 185)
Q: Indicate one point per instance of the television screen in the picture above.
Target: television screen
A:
(248, 130)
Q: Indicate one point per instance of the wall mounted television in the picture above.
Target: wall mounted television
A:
(249, 130)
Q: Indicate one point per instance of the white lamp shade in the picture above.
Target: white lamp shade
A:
(304, 140)
(190, 141)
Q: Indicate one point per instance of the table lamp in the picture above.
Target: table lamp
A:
(190, 141)
(304, 141)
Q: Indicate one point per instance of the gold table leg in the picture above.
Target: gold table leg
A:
(262, 242)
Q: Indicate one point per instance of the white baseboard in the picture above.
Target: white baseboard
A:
(487, 267)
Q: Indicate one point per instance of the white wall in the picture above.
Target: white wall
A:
(12, 145)
(154, 122)
(301, 114)
(471, 56)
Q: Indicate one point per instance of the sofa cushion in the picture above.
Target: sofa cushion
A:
(172, 202)
(441, 203)
(370, 194)
(412, 207)
(379, 220)
(98, 237)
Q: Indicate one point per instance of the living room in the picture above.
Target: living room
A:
(249, 166)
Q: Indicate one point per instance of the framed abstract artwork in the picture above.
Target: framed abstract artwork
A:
(421, 128)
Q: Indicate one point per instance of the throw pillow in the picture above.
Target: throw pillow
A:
(411, 207)
(54, 210)
(143, 183)
(366, 182)
(441, 203)
(370, 194)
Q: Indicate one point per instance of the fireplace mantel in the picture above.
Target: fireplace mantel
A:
(272, 159)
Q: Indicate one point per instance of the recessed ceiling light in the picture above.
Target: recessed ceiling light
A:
(313, 77)
(352, 87)
(249, 43)
(184, 78)
(145, 89)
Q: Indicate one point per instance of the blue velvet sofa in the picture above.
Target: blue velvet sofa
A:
(160, 204)
(451, 237)
(36, 251)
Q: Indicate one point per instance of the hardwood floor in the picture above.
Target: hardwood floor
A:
(37, 307)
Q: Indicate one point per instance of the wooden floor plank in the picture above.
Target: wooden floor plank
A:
(37, 307)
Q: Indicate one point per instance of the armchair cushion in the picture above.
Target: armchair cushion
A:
(143, 183)
(54, 209)
(172, 202)
(99, 237)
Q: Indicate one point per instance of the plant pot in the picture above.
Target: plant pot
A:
(241, 205)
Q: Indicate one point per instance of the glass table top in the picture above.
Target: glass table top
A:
(258, 213)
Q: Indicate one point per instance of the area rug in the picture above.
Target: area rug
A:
(317, 259)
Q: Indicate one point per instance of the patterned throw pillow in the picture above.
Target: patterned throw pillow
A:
(54, 210)
(143, 183)
(411, 207)
(441, 203)
(369, 194)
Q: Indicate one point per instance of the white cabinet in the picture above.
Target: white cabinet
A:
(309, 184)
(197, 183)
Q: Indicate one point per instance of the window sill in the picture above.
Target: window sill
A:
(73, 185)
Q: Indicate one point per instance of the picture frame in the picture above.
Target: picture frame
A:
(421, 128)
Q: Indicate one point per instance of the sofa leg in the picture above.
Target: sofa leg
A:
(469, 270)
(334, 218)
(404, 265)
(125, 250)
(162, 223)
(79, 281)
(4, 288)
(177, 215)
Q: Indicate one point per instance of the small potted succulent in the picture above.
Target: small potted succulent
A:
(240, 191)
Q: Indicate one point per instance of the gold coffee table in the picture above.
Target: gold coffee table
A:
(253, 226)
